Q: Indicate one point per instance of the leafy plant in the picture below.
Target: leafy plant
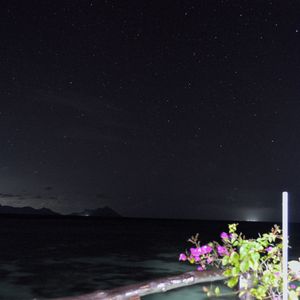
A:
(252, 265)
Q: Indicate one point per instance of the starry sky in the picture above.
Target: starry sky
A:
(163, 109)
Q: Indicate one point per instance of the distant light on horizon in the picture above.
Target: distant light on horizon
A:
(252, 216)
(262, 214)
(252, 219)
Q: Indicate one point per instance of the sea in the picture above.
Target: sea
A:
(44, 258)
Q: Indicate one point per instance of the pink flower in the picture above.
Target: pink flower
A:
(196, 252)
(224, 236)
(293, 286)
(269, 249)
(222, 251)
(206, 249)
(200, 269)
(182, 257)
(197, 258)
(209, 260)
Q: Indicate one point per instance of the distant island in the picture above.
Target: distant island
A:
(103, 212)
(26, 210)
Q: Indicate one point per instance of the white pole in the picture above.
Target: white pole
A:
(285, 245)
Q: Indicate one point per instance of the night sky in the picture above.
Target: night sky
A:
(169, 109)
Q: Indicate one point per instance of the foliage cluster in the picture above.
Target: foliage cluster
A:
(251, 266)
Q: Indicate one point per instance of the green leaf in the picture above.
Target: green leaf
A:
(235, 271)
(266, 279)
(244, 266)
(217, 291)
(261, 292)
(241, 293)
(232, 282)
(235, 243)
(255, 256)
(225, 260)
(254, 261)
(257, 246)
(264, 243)
(234, 258)
(227, 273)
(244, 250)
(232, 227)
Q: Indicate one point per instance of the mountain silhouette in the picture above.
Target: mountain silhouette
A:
(26, 210)
(104, 212)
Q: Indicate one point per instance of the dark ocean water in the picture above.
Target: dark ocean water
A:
(46, 258)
